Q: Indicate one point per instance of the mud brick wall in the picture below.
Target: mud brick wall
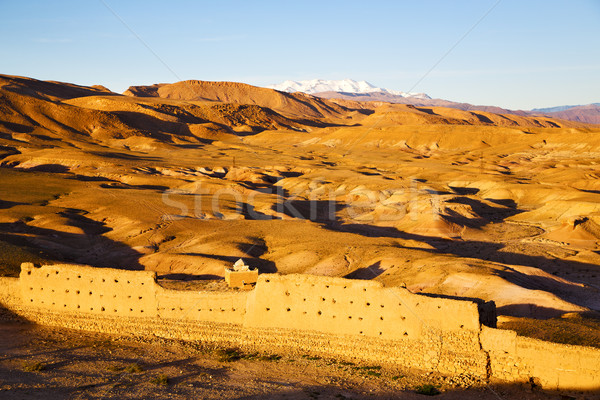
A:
(343, 306)
(90, 290)
(553, 366)
(221, 307)
(10, 295)
(301, 314)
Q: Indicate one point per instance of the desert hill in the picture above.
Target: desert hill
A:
(30, 106)
(338, 111)
(294, 104)
(194, 111)
(49, 90)
(186, 178)
(35, 107)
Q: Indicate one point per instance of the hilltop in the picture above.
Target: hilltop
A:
(293, 104)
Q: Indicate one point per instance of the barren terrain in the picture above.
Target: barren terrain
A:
(40, 363)
(470, 204)
(184, 179)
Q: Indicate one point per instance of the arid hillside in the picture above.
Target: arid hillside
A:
(186, 178)
(295, 104)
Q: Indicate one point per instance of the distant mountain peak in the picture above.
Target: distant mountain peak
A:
(314, 86)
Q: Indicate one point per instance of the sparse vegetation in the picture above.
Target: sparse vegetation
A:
(427, 390)
(162, 380)
(234, 354)
(229, 355)
(34, 366)
(311, 358)
(134, 368)
(369, 370)
(270, 357)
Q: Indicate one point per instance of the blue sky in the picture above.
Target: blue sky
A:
(523, 54)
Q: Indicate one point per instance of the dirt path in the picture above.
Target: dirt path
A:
(40, 363)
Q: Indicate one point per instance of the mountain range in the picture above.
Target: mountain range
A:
(346, 86)
(589, 113)
(363, 91)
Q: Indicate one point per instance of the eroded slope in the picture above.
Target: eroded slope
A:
(502, 208)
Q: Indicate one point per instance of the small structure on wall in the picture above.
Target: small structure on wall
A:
(241, 276)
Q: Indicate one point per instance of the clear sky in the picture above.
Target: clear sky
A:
(522, 54)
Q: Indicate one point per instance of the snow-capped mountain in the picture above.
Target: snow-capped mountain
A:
(341, 86)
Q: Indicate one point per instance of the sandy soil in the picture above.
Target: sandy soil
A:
(39, 363)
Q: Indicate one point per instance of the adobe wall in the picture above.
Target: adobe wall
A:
(433, 333)
(343, 306)
(76, 288)
(220, 307)
(334, 317)
(315, 315)
(120, 293)
(10, 292)
(554, 366)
